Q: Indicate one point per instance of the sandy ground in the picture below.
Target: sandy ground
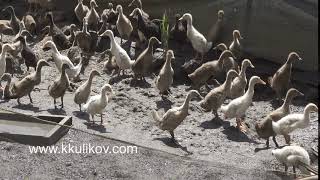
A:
(208, 148)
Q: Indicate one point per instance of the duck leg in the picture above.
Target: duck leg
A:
(80, 107)
(286, 168)
(30, 98)
(92, 117)
(287, 139)
(55, 102)
(267, 143)
(294, 171)
(18, 100)
(172, 136)
(275, 141)
(101, 119)
(240, 125)
(61, 102)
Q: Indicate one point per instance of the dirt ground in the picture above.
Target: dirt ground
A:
(208, 148)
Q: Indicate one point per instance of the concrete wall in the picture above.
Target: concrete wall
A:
(271, 28)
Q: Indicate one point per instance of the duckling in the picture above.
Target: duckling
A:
(122, 58)
(27, 54)
(238, 107)
(215, 98)
(59, 59)
(239, 84)
(123, 24)
(198, 41)
(264, 128)
(82, 93)
(142, 66)
(294, 156)
(212, 68)
(216, 30)
(97, 103)
(291, 122)
(110, 64)
(58, 37)
(165, 78)
(60, 85)
(229, 63)
(138, 4)
(174, 116)
(179, 31)
(236, 47)
(281, 79)
(92, 16)
(146, 28)
(14, 21)
(81, 11)
(30, 23)
(26, 85)
(5, 48)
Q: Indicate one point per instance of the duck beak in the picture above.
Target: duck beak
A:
(300, 59)
(262, 82)
(300, 93)
(252, 66)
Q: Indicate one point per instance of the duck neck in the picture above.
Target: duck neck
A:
(185, 105)
(103, 95)
(168, 63)
(250, 90)
(306, 113)
(287, 103)
(236, 40)
(38, 72)
(243, 71)
(7, 88)
(227, 83)
(55, 50)
(113, 43)
(90, 79)
(150, 47)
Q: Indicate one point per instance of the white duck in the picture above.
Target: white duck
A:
(238, 85)
(235, 46)
(97, 103)
(165, 78)
(5, 48)
(83, 92)
(174, 116)
(198, 41)
(294, 121)
(59, 59)
(81, 11)
(122, 58)
(295, 156)
(238, 107)
(123, 24)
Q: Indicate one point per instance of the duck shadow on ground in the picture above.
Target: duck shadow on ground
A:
(115, 79)
(57, 111)
(233, 134)
(215, 123)
(97, 127)
(258, 149)
(139, 83)
(165, 104)
(28, 107)
(81, 115)
(168, 141)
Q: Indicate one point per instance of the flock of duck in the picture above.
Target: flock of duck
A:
(103, 29)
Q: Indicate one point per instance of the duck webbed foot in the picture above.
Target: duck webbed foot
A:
(241, 125)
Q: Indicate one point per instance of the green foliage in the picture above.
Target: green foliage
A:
(165, 31)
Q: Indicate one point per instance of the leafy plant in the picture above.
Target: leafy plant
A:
(165, 31)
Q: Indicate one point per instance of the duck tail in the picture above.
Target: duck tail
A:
(224, 109)
(156, 117)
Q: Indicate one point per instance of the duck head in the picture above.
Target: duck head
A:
(10, 9)
(154, 41)
(237, 35)
(80, 1)
(195, 93)
(226, 54)
(232, 74)
(135, 13)
(311, 108)
(136, 3)
(27, 34)
(107, 88)
(292, 92)
(94, 73)
(108, 33)
(41, 63)
(93, 4)
(186, 17)
(6, 48)
(293, 56)
(5, 77)
(110, 6)
(73, 27)
(246, 63)
(49, 45)
(119, 9)
(170, 55)
(222, 47)
(220, 14)
(256, 80)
